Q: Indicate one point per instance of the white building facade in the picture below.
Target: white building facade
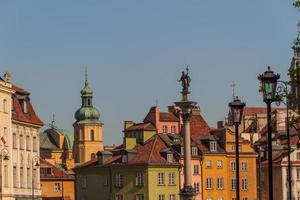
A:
(19, 144)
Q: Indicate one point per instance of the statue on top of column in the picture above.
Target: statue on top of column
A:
(185, 80)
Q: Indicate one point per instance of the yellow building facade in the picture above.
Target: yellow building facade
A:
(219, 167)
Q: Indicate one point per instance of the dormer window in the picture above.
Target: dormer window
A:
(46, 170)
(213, 146)
(124, 158)
(23, 106)
(173, 129)
(170, 157)
(194, 151)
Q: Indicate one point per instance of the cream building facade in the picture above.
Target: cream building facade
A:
(19, 127)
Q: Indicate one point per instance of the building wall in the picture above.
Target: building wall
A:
(48, 189)
(25, 157)
(57, 157)
(84, 147)
(95, 179)
(196, 178)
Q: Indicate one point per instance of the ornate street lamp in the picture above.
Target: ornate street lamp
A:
(4, 156)
(237, 108)
(268, 84)
(35, 163)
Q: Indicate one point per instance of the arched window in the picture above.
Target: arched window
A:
(21, 142)
(4, 105)
(92, 135)
(93, 156)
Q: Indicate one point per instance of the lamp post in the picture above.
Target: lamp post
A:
(237, 108)
(283, 93)
(35, 163)
(4, 156)
(268, 84)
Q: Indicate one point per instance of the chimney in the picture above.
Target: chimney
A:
(129, 142)
(127, 124)
(103, 156)
(220, 124)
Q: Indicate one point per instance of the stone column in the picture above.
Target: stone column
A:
(187, 192)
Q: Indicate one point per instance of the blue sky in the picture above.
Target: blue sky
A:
(136, 50)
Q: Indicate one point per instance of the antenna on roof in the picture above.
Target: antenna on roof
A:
(233, 89)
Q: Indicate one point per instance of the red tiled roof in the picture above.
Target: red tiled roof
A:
(198, 125)
(141, 126)
(249, 111)
(168, 117)
(57, 173)
(18, 114)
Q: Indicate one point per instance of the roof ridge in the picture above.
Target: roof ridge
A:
(152, 148)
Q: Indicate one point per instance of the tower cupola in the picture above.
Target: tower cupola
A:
(87, 112)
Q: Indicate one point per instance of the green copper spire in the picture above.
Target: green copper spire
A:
(87, 112)
(296, 46)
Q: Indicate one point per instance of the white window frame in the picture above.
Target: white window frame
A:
(196, 169)
(119, 180)
(173, 129)
(219, 164)
(194, 151)
(209, 183)
(213, 146)
(197, 187)
(165, 129)
(233, 166)
(208, 164)
(245, 184)
(244, 166)
(139, 179)
(169, 157)
(171, 178)
(161, 178)
(220, 183)
(57, 187)
(161, 197)
(233, 184)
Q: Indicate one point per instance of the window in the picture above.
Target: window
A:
(197, 187)
(220, 198)
(57, 187)
(298, 195)
(298, 155)
(92, 135)
(161, 178)
(165, 129)
(298, 173)
(15, 141)
(21, 142)
(170, 157)
(161, 197)
(46, 171)
(244, 184)
(139, 178)
(233, 148)
(34, 175)
(182, 150)
(15, 176)
(233, 184)
(208, 164)
(139, 197)
(27, 143)
(21, 177)
(171, 178)
(4, 105)
(213, 146)
(172, 196)
(219, 164)
(35, 145)
(196, 169)
(220, 185)
(28, 178)
(83, 182)
(232, 166)
(245, 198)
(5, 138)
(119, 197)
(124, 159)
(119, 180)
(173, 129)
(24, 106)
(194, 151)
(244, 166)
(209, 183)
(5, 176)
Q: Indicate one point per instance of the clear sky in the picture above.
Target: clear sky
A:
(136, 50)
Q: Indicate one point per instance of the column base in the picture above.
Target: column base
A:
(187, 193)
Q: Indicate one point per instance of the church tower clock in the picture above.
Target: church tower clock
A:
(87, 128)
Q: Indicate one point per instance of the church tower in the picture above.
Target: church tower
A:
(87, 128)
(294, 73)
